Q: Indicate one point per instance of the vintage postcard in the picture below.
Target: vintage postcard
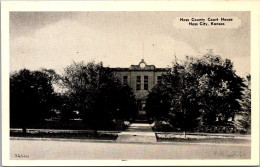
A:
(130, 83)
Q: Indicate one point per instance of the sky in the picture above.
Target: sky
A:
(119, 39)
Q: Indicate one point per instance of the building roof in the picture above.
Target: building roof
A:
(142, 66)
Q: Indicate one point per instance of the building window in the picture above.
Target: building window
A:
(138, 83)
(125, 80)
(159, 79)
(145, 82)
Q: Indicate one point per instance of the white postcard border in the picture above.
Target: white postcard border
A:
(253, 6)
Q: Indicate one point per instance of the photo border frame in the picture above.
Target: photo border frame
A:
(252, 6)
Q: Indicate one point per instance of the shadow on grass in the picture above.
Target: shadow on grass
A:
(69, 135)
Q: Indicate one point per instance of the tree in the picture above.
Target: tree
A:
(127, 103)
(220, 89)
(243, 122)
(197, 89)
(184, 113)
(158, 104)
(97, 93)
(174, 100)
(31, 97)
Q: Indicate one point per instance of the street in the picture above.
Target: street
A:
(78, 149)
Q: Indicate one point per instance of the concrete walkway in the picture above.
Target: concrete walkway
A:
(137, 133)
(139, 127)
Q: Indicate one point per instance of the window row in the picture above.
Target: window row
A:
(138, 81)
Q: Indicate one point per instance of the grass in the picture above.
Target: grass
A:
(66, 134)
(197, 138)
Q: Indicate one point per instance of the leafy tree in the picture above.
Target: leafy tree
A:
(158, 104)
(185, 111)
(97, 93)
(127, 103)
(220, 89)
(243, 121)
(31, 97)
(198, 89)
(174, 100)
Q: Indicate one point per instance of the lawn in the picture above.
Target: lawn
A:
(71, 134)
(203, 138)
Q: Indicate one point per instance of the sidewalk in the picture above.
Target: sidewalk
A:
(137, 133)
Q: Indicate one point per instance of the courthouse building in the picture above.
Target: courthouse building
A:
(141, 78)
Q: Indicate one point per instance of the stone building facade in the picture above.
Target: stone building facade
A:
(141, 78)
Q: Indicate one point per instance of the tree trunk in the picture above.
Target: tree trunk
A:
(24, 130)
(95, 132)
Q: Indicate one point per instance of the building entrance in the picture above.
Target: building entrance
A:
(141, 115)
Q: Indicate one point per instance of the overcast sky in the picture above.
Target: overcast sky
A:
(56, 39)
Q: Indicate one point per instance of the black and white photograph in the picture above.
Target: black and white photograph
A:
(130, 85)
